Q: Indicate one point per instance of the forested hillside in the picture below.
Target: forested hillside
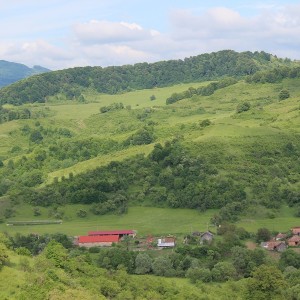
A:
(73, 82)
(11, 72)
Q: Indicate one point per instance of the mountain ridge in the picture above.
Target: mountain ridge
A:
(11, 72)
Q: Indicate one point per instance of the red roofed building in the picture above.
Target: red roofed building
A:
(97, 240)
(274, 246)
(296, 231)
(294, 241)
(119, 233)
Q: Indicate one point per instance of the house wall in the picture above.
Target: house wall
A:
(99, 244)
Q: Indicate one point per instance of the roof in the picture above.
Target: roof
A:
(296, 230)
(281, 236)
(111, 232)
(272, 245)
(294, 238)
(98, 239)
(168, 240)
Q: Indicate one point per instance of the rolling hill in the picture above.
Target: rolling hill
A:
(225, 143)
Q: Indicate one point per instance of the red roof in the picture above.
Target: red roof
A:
(111, 232)
(296, 230)
(98, 239)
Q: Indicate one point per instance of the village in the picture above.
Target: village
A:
(108, 238)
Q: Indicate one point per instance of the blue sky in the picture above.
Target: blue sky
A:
(67, 33)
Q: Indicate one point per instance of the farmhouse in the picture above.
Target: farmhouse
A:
(166, 242)
(274, 246)
(97, 240)
(294, 241)
(119, 233)
(296, 231)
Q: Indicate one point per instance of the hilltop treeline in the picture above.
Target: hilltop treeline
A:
(112, 80)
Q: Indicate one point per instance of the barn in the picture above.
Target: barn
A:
(97, 240)
(119, 233)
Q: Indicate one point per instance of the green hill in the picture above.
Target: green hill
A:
(230, 144)
(11, 72)
(72, 83)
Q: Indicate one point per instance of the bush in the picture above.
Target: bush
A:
(245, 106)
(284, 94)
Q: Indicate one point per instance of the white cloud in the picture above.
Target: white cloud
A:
(104, 32)
(274, 29)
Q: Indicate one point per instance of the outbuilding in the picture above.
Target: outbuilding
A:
(97, 240)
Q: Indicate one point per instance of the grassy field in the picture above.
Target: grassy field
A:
(146, 220)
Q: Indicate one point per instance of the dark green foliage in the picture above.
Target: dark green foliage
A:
(36, 136)
(263, 235)
(267, 282)
(4, 258)
(81, 213)
(289, 258)
(141, 137)
(284, 94)
(111, 107)
(202, 91)
(152, 97)
(113, 80)
(205, 123)
(274, 75)
(245, 106)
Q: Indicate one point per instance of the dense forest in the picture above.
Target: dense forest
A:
(112, 80)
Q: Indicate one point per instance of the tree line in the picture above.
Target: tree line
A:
(112, 80)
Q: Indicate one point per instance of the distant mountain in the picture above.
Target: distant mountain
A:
(11, 72)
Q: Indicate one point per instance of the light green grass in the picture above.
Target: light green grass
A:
(146, 220)
(283, 221)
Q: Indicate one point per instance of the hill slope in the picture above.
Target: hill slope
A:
(11, 72)
(112, 80)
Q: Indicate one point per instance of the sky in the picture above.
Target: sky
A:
(60, 34)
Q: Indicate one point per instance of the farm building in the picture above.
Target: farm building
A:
(97, 240)
(206, 237)
(296, 231)
(294, 241)
(280, 236)
(274, 246)
(166, 242)
(119, 233)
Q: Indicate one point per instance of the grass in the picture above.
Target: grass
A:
(283, 221)
(146, 220)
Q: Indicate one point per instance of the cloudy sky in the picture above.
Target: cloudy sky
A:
(59, 34)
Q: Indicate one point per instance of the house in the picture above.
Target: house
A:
(274, 246)
(296, 231)
(206, 237)
(280, 236)
(166, 242)
(294, 241)
(97, 240)
(119, 233)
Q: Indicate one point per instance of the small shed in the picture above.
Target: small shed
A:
(280, 236)
(206, 237)
(296, 231)
(167, 242)
(294, 241)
